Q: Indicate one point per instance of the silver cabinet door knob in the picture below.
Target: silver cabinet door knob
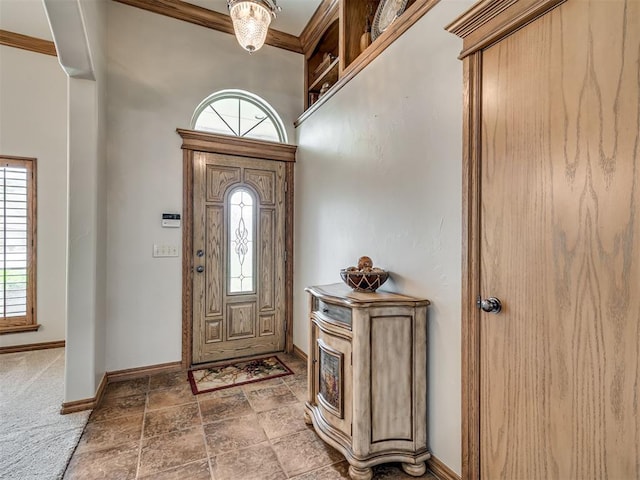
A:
(490, 305)
(199, 269)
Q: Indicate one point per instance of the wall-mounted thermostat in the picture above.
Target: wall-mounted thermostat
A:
(171, 220)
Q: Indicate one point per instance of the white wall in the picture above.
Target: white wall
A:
(33, 123)
(25, 17)
(159, 70)
(378, 173)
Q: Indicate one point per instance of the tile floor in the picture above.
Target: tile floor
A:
(155, 428)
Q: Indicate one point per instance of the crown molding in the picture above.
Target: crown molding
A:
(207, 18)
(489, 20)
(25, 42)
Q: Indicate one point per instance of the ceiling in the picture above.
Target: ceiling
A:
(28, 18)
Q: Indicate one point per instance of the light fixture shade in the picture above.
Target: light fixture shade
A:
(251, 20)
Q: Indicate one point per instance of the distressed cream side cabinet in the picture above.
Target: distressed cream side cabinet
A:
(367, 392)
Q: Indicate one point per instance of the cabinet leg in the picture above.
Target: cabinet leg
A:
(307, 417)
(414, 469)
(360, 473)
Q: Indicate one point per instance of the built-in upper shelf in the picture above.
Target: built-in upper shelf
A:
(334, 49)
(328, 74)
(322, 63)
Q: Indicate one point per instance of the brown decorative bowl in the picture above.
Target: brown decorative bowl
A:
(362, 281)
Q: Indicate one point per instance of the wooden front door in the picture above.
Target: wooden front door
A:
(239, 256)
(554, 161)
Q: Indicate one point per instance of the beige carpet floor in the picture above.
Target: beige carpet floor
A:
(36, 442)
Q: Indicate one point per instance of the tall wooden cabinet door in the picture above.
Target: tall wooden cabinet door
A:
(239, 262)
(559, 245)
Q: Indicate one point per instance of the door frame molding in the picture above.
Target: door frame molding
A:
(192, 142)
(483, 25)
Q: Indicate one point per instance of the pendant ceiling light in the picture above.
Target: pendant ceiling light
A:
(251, 20)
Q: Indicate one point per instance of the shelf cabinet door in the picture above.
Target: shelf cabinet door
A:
(396, 378)
(333, 379)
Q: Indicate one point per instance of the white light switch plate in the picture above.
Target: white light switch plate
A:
(165, 250)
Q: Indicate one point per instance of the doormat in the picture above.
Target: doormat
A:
(238, 373)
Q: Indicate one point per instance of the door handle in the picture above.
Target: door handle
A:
(199, 269)
(490, 305)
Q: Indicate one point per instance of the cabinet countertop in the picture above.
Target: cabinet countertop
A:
(341, 294)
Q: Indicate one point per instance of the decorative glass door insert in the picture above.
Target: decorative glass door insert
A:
(242, 241)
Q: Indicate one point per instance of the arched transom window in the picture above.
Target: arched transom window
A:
(241, 114)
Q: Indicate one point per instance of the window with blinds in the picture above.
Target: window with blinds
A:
(17, 244)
